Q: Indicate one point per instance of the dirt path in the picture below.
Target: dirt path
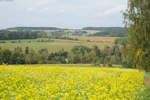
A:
(147, 81)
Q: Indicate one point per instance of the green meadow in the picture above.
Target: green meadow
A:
(54, 45)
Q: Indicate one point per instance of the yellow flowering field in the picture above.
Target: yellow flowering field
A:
(69, 83)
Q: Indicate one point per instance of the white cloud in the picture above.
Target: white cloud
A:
(42, 2)
(39, 5)
(62, 11)
(45, 9)
(113, 10)
(77, 13)
(30, 9)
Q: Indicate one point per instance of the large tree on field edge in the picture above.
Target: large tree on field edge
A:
(137, 21)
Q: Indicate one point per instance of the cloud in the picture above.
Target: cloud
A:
(61, 10)
(113, 10)
(45, 9)
(62, 13)
(42, 2)
(39, 5)
(30, 9)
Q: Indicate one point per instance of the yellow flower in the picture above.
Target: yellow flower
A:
(65, 83)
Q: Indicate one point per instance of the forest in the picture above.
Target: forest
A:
(14, 35)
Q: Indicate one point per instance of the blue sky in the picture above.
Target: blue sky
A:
(61, 13)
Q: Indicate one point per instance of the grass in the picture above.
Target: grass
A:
(40, 82)
(92, 31)
(56, 44)
(147, 74)
(94, 38)
(146, 93)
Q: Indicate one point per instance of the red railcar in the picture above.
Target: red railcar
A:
(100, 41)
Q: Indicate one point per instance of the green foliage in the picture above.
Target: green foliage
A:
(145, 94)
(97, 65)
(64, 33)
(58, 57)
(79, 33)
(33, 28)
(13, 35)
(109, 65)
(17, 58)
(137, 21)
(78, 55)
(108, 31)
(5, 56)
(63, 38)
(121, 41)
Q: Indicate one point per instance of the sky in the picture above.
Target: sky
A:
(61, 13)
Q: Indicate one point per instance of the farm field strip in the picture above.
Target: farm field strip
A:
(56, 44)
(52, 46)
(69, 83)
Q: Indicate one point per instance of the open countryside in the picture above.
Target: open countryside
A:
(75, 50)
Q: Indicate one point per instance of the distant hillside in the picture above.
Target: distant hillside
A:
(103, 28)
(89, 31)
(108, 31)
(34, 28)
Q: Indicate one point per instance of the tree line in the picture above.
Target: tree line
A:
(14, 35)
(78, 55)
(108, 31)
(33, 28)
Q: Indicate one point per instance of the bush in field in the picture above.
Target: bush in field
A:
(2, 41)
(109, 65)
